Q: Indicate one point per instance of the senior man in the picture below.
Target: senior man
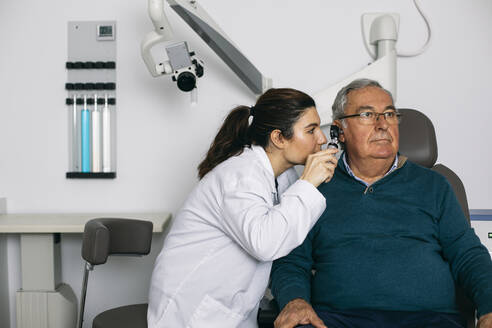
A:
(392, 242)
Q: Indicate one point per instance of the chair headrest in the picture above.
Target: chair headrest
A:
(417, 138)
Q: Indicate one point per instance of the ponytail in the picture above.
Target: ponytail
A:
(230, 140)
(276, 109)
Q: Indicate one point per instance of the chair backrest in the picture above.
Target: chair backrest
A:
(103, 237)
(418, 138)
(418, 142)
(458, 187)
(108, 236)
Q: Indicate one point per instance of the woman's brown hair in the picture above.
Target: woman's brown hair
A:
(275, 109)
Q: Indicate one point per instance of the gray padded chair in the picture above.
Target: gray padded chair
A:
(103, 237)
(417, 142)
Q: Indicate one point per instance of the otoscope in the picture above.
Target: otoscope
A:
(334, 133)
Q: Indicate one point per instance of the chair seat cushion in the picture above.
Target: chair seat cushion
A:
(129, 316)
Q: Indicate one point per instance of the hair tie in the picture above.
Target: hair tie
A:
(252, 111)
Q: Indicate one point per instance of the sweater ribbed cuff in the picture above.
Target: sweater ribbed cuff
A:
(292, 292)
(484, 308)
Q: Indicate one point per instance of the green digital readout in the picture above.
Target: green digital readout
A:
(105, 30)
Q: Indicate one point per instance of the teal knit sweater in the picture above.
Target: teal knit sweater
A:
(400, 244)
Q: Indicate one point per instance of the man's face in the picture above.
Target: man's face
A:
(377, 141)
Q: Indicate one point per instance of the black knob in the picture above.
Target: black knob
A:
(199, 70)
(186, 81)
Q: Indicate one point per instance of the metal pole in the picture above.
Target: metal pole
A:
(80, 319)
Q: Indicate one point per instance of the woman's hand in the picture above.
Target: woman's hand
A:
(320, 166)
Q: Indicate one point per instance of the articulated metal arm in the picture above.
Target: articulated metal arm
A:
(198, 19)
(382, 34)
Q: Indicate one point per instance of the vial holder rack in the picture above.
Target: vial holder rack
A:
(92, 115)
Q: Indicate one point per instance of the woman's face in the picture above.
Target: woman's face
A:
(307, 138)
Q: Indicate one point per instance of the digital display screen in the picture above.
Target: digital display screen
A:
(105, 30)
(490, 234)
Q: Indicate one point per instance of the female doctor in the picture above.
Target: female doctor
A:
(214, 267)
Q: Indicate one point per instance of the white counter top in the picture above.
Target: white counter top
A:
(70, 222)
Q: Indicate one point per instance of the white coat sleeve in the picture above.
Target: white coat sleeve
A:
(265, 231)
(286, 179)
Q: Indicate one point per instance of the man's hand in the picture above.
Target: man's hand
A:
(298, 312)
(484, 321)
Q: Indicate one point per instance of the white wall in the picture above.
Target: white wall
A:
(307, 44)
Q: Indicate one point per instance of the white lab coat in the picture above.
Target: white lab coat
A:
(215, 263)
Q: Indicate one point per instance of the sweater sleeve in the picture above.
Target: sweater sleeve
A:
(291, 275)
(469, 260)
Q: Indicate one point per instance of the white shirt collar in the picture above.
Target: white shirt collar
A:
(351, 173)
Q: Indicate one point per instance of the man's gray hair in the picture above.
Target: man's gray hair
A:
(340, 102)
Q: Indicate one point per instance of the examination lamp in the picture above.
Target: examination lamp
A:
(185, 67)
(182, 64)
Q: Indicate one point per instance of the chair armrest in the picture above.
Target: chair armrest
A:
(267, 313)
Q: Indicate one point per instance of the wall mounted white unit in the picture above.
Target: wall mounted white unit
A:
(91, 99)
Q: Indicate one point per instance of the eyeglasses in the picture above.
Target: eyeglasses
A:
(370, 117)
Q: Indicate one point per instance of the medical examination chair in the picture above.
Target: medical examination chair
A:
(418, 143)
(104, 237)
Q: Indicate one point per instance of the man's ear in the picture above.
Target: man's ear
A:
(341, 136)
(277, 139)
